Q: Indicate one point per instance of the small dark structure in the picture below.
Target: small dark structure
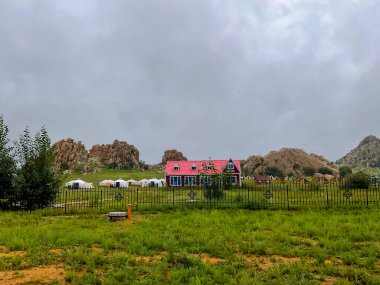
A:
(262, 179)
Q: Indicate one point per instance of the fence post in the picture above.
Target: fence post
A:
(366, 193)
(327, 196)
(65, 199)
(287, 195)
(173, 196)
(137, 198)
(101, 198)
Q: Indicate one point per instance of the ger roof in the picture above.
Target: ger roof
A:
(185, 167)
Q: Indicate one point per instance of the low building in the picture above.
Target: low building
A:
(195, 172)
(262, 179)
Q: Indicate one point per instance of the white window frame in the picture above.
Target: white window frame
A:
(178, 180)
(176, 167)
(230, 166)
(192, 179)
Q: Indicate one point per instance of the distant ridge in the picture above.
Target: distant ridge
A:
(366, 154)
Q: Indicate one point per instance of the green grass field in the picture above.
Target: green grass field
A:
(114, 174)
(192, 247)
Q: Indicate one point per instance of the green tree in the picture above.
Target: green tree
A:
(344, 171)
(214, 181)
(308, 171)
(274, 171)
(7, 162)
(325, 170)
(37, 181)
(358, 180)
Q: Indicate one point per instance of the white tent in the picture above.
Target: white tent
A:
(154, 183)
(78, 184)
(163, 181)
(143, 182)
(132, 182)
(120, 183)
(107, 183)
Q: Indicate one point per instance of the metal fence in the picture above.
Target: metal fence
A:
(271, 196)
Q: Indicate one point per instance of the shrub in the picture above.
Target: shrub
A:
(308, 171)
(344, 171)
(358, 180)
(325, 170)
(274, 171)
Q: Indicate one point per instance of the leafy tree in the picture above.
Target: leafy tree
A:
(37, 181)
(358, 180)
(214, 181)
(308, 171)
(344, 171)
(274, 171)
(7, 162)
(325, 170)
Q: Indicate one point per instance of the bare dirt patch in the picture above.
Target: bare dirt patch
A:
(13, 253)
(328, 281)
(39, 275)
(265, 262)
(148, 258)
(333, 261)
(56, 250)
(206, 258)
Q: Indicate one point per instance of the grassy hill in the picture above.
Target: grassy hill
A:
(114, 174)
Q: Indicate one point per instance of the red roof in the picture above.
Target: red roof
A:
(185, 167)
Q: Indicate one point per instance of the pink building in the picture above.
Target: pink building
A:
(187, 173)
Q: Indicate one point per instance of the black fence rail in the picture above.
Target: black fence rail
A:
(274, 196)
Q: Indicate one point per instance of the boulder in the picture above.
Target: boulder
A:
(117, 155)
(172, 155)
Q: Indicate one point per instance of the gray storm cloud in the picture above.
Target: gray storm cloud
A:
(211, 78)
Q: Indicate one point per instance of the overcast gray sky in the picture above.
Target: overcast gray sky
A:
(213, 79)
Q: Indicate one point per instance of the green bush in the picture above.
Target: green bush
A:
(344, 171)
(325, 170)
(358, 180)
(308, 171)
(274, 171)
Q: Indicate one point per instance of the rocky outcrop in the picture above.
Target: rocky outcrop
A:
(70, 155)
(117, 155)
(172, 155)
(288, 160)
(366, 154)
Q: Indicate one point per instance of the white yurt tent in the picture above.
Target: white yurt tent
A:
(132, 182)
(163, 181)
(154, 183)
(107, 183)
(144, 182)
(120, 183)
(78, 184)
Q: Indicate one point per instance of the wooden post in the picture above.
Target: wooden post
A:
(129, 211)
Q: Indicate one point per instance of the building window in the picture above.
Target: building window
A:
(176, 167)
(190, 181)
(193, 167)
(175, 181)
(210, 166)
(205, 179)
(230, 166)
(231, 179)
